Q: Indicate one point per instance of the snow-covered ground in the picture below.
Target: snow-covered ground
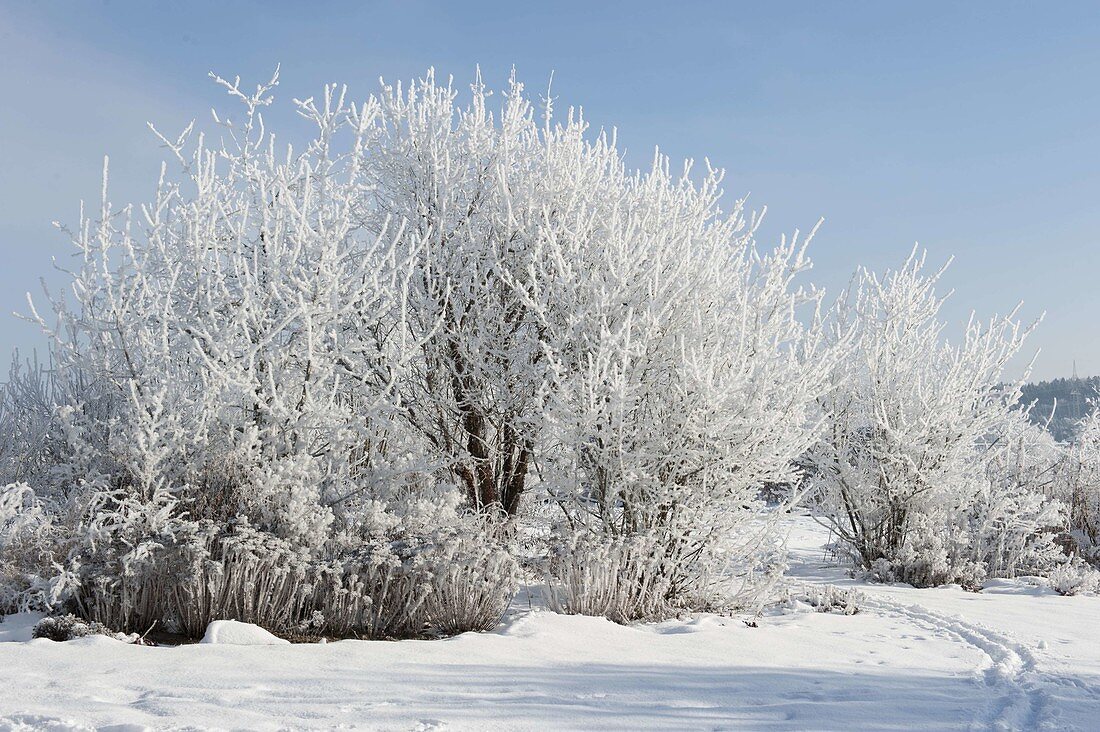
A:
(1011, 657)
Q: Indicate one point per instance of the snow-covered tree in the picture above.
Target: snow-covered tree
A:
(471, 189)
(1010, 522)
(682, 382)
(219, 320)
(927, 472)
(233, 357)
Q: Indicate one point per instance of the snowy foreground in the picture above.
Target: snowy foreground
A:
(1012, 657)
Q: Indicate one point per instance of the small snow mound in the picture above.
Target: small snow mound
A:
(101, 641)
(695, 624)
(545, 624)
(235, 633)
(1034, 586)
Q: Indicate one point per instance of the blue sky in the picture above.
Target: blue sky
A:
(971, 128)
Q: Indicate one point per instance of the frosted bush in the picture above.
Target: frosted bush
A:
(472, 585)
(69, 627)
(644, 577)
(1077, 485)
(142, 565)
(183, 580)
(210, 574)
(1074, 577)
(415, 587)
(31, 548)
(117, 555)
(928, 470)
(828, 598)
(927, 560)
(1009, 523)
(624, 579)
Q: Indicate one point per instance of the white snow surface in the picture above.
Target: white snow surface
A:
(236, 633)
(1014, 656)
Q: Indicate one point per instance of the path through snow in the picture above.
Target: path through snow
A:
(1024, 692)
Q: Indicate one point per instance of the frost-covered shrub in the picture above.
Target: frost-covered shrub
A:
(1009, 522)
(624, 579)
(31, 548)
(121, 539)
(183, 581)
(376, 592)
(414, 587)
(928, 470)
(1077, 485)
(1002, 526)
(472, 585)
(36, 473)
(828, 598)
(1074, 577)
(69, 627)
(646, 578)
(243, 574)
(928, 560)
(156, 571)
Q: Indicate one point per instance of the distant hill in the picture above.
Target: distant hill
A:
(1069, 399)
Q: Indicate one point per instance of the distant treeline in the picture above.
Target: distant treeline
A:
(1068, 399)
